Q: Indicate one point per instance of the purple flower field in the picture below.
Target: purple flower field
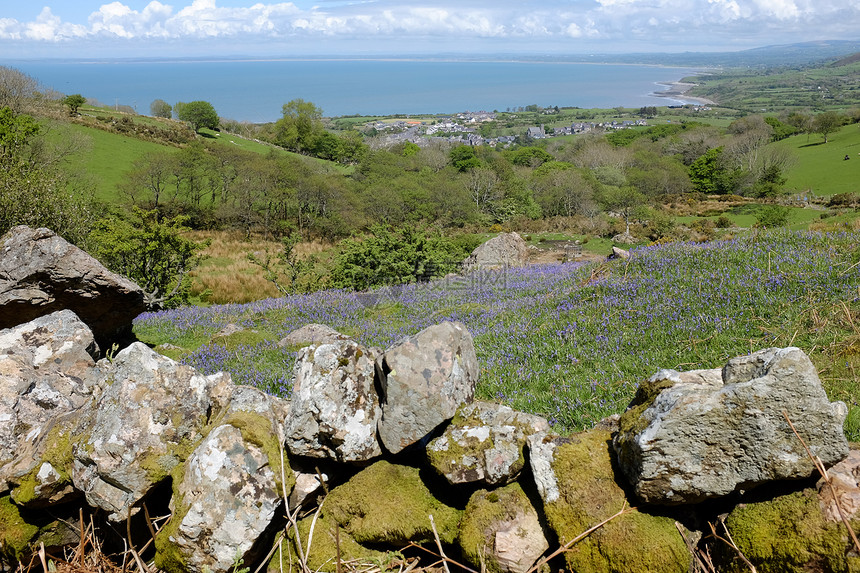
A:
(567, 341)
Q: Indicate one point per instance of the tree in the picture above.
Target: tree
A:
(300, 126)
(74, 102)
(16, 88)
(152, 253)
(16, 131)
(624, 201)
(826, 123)
(160, 108)
(200, 114)
(464, 158)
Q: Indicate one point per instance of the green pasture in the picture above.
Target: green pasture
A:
(105, 157)
(820, 169)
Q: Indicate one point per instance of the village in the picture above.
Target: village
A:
(465, 129)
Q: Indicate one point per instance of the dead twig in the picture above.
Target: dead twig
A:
(824, 475)
(578, 538)
(696, 553)
(731, 543)
(439, 544)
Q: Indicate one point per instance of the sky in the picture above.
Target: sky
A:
(197, 28)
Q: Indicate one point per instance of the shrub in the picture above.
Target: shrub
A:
(388, 256)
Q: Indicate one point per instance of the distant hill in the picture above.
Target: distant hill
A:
(847, 60)
(800, 54)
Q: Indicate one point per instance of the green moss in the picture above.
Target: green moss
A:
(789, 534)
(323, 551)
(484, 512)
(631, 420)
(59, 452)
(387, 503)
(589, 494)
(167, 555)
(15, 533)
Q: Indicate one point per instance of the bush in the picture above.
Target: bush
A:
(772, 216)
(843, 200)
(389, 256)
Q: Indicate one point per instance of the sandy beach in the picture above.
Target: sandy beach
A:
(678, 91)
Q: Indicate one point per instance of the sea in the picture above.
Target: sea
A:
(255, 90)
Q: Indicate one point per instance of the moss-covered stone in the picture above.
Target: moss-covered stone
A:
(388, 503)
(488, 513)
(789, 534)
(56, 449)
(322, 553)
(15, 533)
(589, 494)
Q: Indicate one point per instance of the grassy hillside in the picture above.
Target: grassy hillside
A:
(572, 341)
(821, 167)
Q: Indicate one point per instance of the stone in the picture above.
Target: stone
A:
(576, 480)
(228, 499)
(618, 253)
(390, 503)
(148, 420)
(308, 487)
(844, 489)
(706, 434)
(335, 408)
(423, 380)
(501, 530)
(503, 251)
(312, 334)
(40, 273)
(44, 375)
(484, 443)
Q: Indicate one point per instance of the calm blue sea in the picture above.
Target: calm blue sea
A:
(256, 90)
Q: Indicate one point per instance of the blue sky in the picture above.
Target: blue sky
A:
(126, 28)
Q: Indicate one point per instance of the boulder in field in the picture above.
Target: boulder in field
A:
(687, 437)
(40, 273)
(503, 251)
(312, 334)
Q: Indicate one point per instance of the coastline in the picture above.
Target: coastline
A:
(678, 91)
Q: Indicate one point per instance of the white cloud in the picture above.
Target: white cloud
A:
(552, 22)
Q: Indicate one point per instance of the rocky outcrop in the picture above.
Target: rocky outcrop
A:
(484, 443)
(335, 407)
(699, 435)
(40, 273)
(423, 380)
(503, 251)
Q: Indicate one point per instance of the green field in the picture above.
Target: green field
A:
(821, 168)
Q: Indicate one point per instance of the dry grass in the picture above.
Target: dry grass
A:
(227, 276)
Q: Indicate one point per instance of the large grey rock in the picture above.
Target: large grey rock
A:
(229, 497)
(312, 334)
(335, 408)
(424, 379)
(44, 374)
(502, 531)
(148, 420)
(484, 443)
(40, 273)
(693, 436)
(502, 251)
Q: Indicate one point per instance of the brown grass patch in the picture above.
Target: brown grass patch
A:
(227, 276)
